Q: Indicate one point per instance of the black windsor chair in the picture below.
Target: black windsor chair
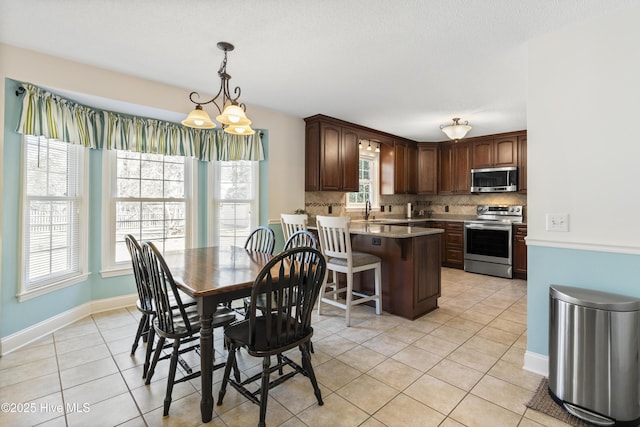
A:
(176, 322)
(284, 324)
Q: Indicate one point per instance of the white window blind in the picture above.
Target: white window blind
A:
(150, 201)
(54, 230)
(235, 205)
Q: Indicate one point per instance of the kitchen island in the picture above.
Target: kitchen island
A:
(411, 258)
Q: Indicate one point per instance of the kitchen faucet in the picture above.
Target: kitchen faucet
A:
(367, 210)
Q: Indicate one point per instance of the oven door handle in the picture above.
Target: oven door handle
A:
(487, 227)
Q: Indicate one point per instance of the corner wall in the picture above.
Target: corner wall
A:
(583, 158)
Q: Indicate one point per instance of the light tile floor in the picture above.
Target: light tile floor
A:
(460, 365)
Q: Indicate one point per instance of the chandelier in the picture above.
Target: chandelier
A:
(232, 114)
(456, 130)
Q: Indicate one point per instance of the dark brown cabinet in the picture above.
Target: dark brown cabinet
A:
(410, 273)
(498, 152)
(453, 244)
(519, 251)
(455, 168)
(398, 168)
(427, 173)
(522, 164)
(440, 225)
(331, 156)
(452, 249)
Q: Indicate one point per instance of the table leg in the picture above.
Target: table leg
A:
(206, 358)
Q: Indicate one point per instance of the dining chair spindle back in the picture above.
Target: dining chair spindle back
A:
(174, 321)
(290, 284)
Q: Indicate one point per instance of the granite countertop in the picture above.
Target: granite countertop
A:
(381, 228)
(392, 231)
(435, 217)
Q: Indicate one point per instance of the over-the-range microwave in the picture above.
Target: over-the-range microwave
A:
(494, 180)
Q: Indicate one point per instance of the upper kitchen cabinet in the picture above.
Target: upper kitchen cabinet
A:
(522, 164)
(427, 175)
(498, 152)
(398, 168)
(455, 168)
(331, 155)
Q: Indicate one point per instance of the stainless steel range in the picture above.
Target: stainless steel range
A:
(488, 240)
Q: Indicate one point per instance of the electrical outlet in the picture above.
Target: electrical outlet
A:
(557, 222)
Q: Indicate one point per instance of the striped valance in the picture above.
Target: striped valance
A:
(52, 116)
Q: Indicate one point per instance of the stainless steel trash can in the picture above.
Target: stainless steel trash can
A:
(594, 350)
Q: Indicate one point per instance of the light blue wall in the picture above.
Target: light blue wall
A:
(16, 316)
(603, 271)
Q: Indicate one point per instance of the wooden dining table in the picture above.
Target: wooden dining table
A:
(211, 276)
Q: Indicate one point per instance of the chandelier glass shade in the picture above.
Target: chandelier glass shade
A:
(456, 130)
(232, 114)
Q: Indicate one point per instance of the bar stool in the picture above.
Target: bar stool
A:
(292, 223)
(335, 242)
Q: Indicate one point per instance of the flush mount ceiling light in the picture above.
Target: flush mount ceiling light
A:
(232, 114)
(456, 130)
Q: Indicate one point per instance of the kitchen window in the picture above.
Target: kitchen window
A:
(54, 230)
(235, 203)
(369, 183)
(150, 197)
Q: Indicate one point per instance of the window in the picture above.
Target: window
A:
(150, 195)
(369, 183)
(235, 205)
(54, 229)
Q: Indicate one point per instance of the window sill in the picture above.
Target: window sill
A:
(116, 271)
(52, 287)
(361, 209)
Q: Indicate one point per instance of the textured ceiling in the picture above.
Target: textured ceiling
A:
(401, 66)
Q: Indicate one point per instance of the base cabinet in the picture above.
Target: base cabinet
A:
(410, 272)
(519, 251)
(452, 242)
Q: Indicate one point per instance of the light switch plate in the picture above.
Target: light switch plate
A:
(557, 222)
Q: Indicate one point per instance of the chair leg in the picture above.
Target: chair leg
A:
(147, 357)
(172, 375)
(306, 364)
(156, 356)
(264, 391)
(378, 274)
(141, 326)
(279, 357)
(323, 289)
(231, 362)
(145, 332)
(349, 298)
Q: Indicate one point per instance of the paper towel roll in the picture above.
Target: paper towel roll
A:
(409, 210)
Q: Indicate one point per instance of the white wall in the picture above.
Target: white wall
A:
(583, 160)
(584, 148)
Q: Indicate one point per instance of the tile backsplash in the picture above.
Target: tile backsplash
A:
(320, 202)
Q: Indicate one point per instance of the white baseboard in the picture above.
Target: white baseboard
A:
(35, 332)
(536, 363)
